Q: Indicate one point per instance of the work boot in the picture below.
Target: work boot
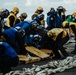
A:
(29, 56)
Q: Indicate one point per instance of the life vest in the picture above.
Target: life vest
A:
(34, 15)
(9, 21)
(18, 20)
(1, 9)
(64, 24)
(72, 23)
(57, 31)
(70, 19)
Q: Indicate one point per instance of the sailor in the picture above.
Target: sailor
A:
(72, 27)
(38, 12)
(3, 14)
(27, 24)
(60, 37)
(12, 17)
(70, 18)
(21, 18)
(51, 19)
(66, 24)
(15, 38)
(60, 16)
(8, 57)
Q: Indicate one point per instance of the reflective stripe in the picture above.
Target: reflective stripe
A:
(1, 42)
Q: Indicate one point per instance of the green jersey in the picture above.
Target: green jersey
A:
(70, 19)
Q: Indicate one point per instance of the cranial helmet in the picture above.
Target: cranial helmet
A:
(5, 10)
(16, 9)
(40, 9)
(23, 15)
(61, 9)
(74, 13)
(52, 10)
(5, 13)
(51, 34)
(1, 9)
(20, 30)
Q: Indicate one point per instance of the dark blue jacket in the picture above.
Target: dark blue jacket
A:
(58, 20)
(11, 33)
(0, 24)
(25, 25)
(8, 50)
(51, 21)
(13, 37)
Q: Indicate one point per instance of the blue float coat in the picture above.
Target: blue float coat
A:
(9, 51)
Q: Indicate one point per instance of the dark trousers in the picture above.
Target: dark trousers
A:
(6, 62)
(11, 43)
(74, 30)
(0, 31)
(59, 46)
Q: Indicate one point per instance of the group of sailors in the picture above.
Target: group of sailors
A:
(17, 33)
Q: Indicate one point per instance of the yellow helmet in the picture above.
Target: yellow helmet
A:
(74, 14)
(23, 15)
(51, 34)
(16, 9)
(40, 8)
(1, 9)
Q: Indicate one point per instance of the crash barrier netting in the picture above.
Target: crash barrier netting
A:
(55, 66)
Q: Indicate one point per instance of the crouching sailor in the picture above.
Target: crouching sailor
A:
(8, 57)
(60, 37)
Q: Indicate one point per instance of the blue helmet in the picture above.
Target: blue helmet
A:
(5, 10)
(5, 13)
(61, 9)
(52, 10)
(20, 30)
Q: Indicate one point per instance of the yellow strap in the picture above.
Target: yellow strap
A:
(42, 22)
(64, 34)
(64, 23)
(8, 20)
